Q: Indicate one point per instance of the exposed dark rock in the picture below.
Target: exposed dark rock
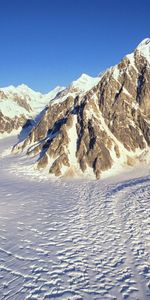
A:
(112, 121)
(7, 124)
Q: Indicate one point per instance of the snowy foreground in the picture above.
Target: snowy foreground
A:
(73, 240)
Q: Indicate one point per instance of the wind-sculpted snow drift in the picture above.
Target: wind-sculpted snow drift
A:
(73, 240)
(96, 124)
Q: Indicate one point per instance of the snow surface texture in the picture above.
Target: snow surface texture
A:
(73, 239)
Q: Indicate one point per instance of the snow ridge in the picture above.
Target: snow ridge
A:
(144, 49)
(22, 100)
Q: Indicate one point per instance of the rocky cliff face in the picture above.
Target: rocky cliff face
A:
(96, 124)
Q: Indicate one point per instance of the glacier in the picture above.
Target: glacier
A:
(72, 239)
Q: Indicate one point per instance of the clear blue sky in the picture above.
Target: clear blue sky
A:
(44, 43)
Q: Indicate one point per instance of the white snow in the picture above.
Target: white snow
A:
(144, 48)
(85, 82)
(52, 94)
(72, 148)
(10, 108)
(126, 92)
(119, 164)
(73, 239)
(116, 72)
(73, 137)
(36, 101)
(14, 132)
(78, 87)
(131, 58)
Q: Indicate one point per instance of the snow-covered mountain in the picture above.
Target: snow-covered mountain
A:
(17, 104)
(78, 88)
(97, 124)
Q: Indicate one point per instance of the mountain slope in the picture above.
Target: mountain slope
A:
(17, 104)
(101, 126)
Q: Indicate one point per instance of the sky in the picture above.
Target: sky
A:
(45, 43)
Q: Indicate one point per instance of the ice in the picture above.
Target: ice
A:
(73, 239)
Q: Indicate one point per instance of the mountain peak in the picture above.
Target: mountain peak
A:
(22, 85)
(85, 76)
(25, 88)
(85, 82)
(144, 43)
(144, 49)
(97, 125)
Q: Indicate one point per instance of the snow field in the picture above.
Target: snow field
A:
(73, 239)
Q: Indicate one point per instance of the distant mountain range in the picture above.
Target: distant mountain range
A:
(95, 126)
(18, 104)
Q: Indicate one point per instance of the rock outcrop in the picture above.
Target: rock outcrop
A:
(104, 126)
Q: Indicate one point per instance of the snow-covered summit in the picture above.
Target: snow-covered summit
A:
(78, 87)
(25, 89)
(144, 48)
(96, 125)
(23, 100)
(85, 82)
(144, 43)
(20, 90)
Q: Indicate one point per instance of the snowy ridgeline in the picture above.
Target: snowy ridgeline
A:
(73, 239)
